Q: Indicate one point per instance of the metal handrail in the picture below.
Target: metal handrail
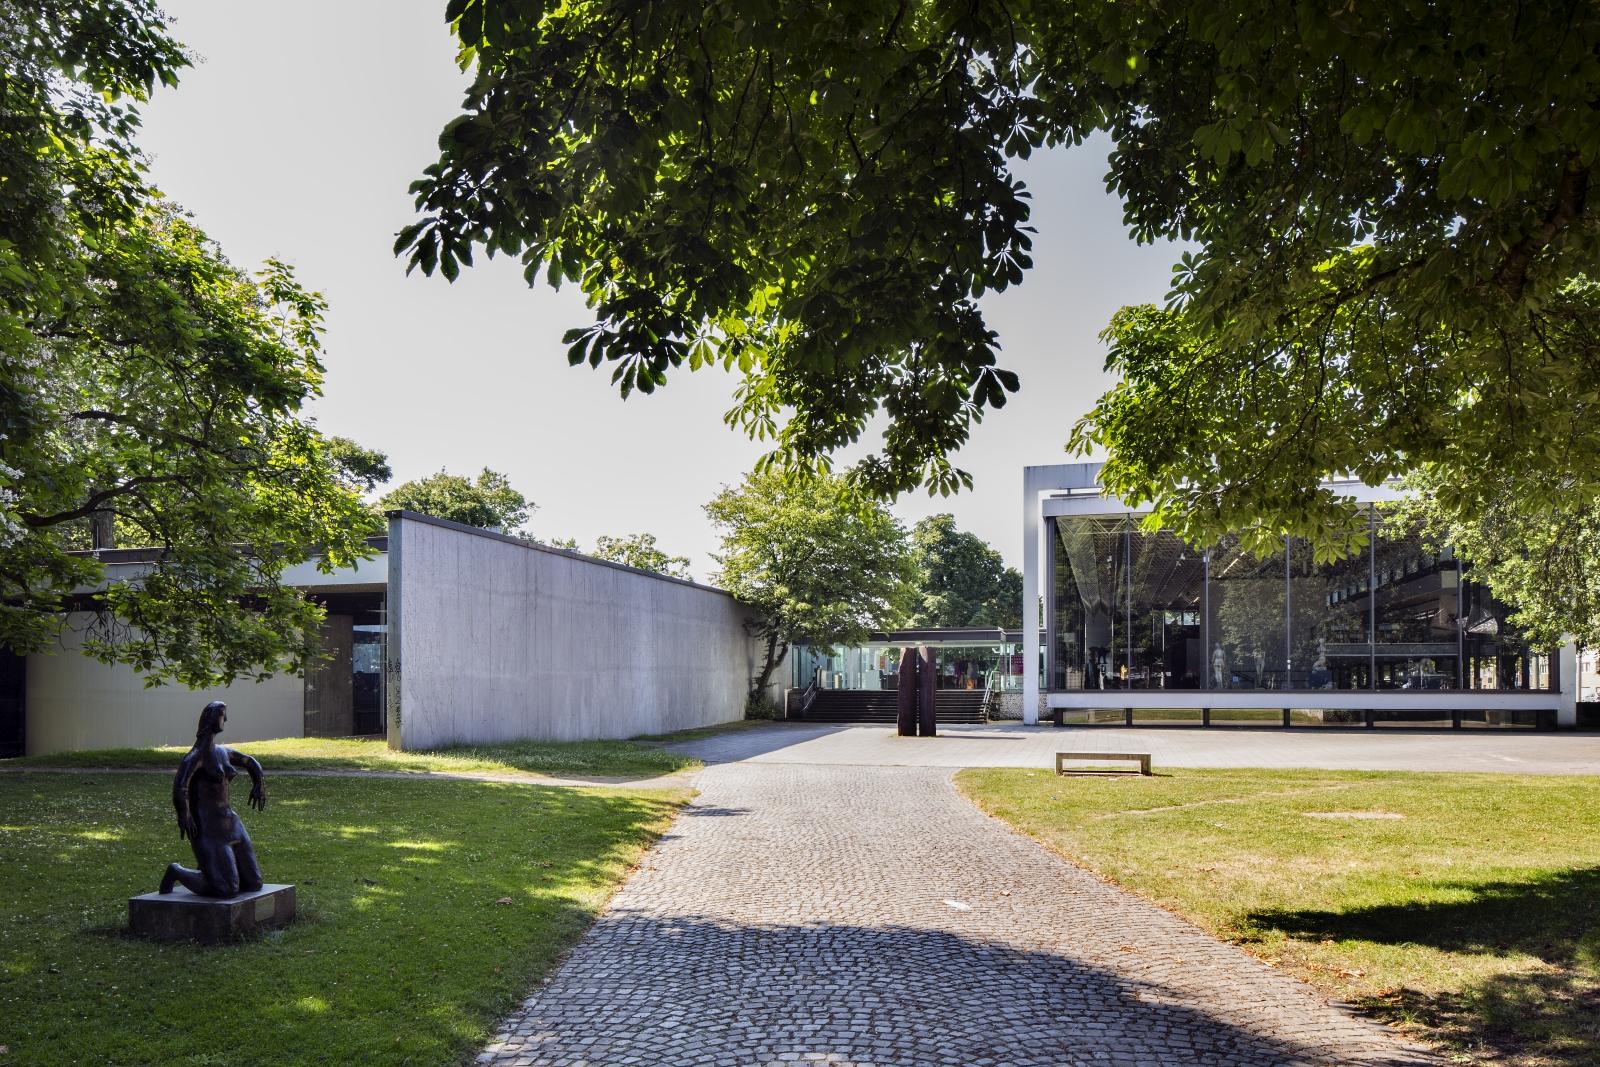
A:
(808, 697)
(989, 692)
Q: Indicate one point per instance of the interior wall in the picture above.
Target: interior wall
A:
(75, 702)
(492, 639)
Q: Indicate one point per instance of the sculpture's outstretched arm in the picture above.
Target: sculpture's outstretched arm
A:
(180, 795)
(258, 785)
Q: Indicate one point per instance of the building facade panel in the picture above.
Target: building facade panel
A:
(496, 639)
(74, 702)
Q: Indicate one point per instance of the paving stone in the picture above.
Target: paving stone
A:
(795, 914)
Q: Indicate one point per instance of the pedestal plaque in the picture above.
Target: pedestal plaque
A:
(182, 916)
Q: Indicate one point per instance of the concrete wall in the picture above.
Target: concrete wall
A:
(493, 639)
(75, 702)
(1011, 705)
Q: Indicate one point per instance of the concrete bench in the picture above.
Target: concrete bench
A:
(1141, 758)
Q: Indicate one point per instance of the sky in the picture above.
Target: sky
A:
(296, 135)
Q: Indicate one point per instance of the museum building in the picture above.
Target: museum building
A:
(1141, 628)
(447, 634)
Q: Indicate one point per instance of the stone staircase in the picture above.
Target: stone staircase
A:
(878, 706)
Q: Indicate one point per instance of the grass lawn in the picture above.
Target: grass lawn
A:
(622, 759)
(1472, 921)
(427, 909)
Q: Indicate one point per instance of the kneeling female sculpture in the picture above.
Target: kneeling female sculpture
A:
(227, 860)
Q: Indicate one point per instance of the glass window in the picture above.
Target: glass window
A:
(1135, 610)
(1168, 717)
(1167, 580)
(1247, 609)
(1491, 718)
(1330, 646)
(1495, 655)
(1332, 717)
(1417, 594)
(1088, 602)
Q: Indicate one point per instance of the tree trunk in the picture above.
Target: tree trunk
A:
(758, 687)
(102, 530)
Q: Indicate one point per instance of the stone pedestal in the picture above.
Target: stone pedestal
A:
(182, 916)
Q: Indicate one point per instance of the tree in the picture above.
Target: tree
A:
(1392, 271)
(1544, 559)
(1387, 207)
(639, 550)
(961, 581)
(358, 469)
(487, 501)
(817, 563)
(146, 385)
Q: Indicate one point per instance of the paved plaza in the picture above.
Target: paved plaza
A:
(1015, 745)
(839, 913)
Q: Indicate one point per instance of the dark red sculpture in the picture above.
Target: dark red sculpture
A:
(928, 694)
(917, 693)
(907, 694)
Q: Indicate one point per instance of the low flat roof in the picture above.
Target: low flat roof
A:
(949, 637)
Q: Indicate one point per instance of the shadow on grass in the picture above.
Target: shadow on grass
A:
(1546, 1014)
(427, 911)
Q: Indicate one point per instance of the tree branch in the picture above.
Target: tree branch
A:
(1572, 194)
(96, 501)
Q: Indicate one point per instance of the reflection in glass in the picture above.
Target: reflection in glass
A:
(1497, 718)
(1495, 655)
(1089, 603)
(1166, 584)
(1330, 646)
(1135, 610)
(1417, 605)
(1247, 619)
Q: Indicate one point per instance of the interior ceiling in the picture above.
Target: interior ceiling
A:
(1168, 574)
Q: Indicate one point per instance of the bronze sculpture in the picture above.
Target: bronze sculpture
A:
(227, 860)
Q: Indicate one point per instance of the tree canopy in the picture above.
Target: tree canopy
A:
(358, 469)
(487, 501)
(639, 550)
(960, 579)
(816, 563)
(147, 385)
(1387, 210)
(1537, 549)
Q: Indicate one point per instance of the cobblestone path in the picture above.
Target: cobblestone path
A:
(871, 916)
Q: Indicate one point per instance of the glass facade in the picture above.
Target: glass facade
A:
(1128, 609)
(996, 666)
